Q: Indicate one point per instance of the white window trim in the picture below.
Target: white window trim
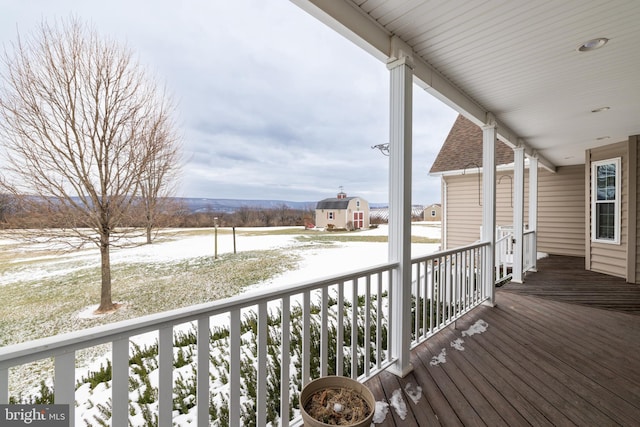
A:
(594, 185)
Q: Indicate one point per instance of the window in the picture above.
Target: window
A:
(605, 201)
(330, 215)
(433, 213)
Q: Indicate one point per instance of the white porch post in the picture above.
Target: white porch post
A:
(400, 146)
(518, 214)
(489, 139)
(533, 209)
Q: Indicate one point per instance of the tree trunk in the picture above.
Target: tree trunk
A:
(149, 240)
(88, 135)
(106, 305)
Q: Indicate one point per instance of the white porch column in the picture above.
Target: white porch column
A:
(533, 208)
(518, 214)
(400, 146)
(489, 139)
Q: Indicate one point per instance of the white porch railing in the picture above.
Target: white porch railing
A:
(273, 342)
(445, 286)
(504, 252)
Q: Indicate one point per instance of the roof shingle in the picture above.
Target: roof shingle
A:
(462, 149)
(334, 203)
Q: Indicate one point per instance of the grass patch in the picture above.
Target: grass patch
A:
(37, 308)
(47, 301)
(288, 231)
(174, 234)
(44, 290)
(332, 237)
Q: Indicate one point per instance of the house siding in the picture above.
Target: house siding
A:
(561, 215)
(463, 198)
(462, 209)
(603, 257)
(432, 208)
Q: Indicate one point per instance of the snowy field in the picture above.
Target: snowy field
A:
(52, 292)
(348, 256)
(342, 256)
(173, 246)
(315, 259)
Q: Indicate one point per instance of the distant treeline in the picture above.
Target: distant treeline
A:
(174, 213)
(248, 217)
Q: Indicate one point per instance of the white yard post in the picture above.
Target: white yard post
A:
(400, 146)
(533, 210)
(489, 139)
(518, 214)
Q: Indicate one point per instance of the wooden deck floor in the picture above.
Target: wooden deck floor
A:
(541, 361)
(562, 278)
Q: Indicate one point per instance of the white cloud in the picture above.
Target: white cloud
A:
(272, 103)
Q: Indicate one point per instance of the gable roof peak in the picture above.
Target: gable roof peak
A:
(462, 148)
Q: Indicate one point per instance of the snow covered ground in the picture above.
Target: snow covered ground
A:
(341, 256)
(319, 261)
(348, 256)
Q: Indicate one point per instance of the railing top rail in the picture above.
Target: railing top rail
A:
(529, 232)
(440, 254)
(21, 353)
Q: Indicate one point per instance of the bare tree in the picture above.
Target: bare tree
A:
(244, 215)
(7, 205)
(75, 111)
(158, 179)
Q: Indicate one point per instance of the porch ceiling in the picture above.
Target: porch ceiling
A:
(515, 59)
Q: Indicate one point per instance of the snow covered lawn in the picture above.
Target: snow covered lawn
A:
(50, 293)
(45, 292)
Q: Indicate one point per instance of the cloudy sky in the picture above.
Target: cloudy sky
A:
(272, 104)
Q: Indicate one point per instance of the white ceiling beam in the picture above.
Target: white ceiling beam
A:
(347, 19)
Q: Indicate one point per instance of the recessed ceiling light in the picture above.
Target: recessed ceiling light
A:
(592, 44)
(601, 109)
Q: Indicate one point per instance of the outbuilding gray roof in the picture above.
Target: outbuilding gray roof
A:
(334, 203)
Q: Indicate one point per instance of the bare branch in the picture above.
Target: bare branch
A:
(85, 129)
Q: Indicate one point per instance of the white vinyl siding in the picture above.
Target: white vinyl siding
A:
(464, 213)
(561, 214)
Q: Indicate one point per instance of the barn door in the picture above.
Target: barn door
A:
(358, 219)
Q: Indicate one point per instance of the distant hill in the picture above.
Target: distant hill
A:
(232, 205)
